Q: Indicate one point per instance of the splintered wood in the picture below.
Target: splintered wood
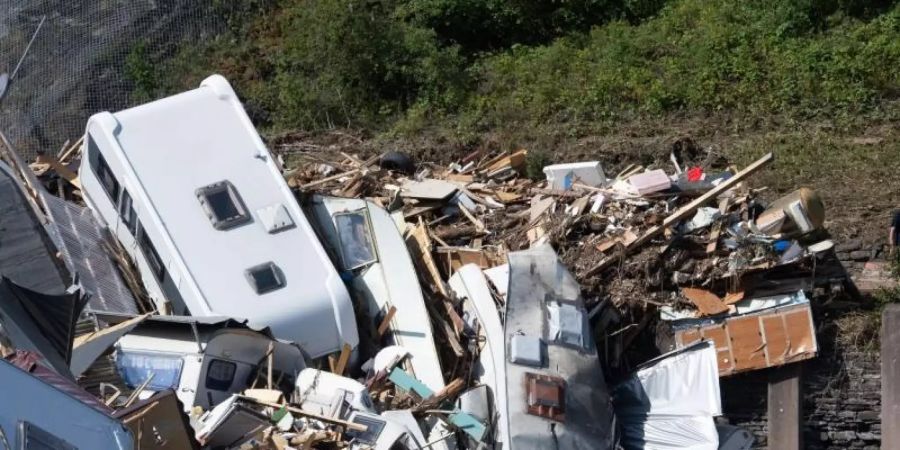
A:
(419, 246)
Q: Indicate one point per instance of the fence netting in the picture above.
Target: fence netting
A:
(76, 65)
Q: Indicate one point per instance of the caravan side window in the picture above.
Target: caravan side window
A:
(31, 437)
(355, 235)
(103, 172)
(126, 211)
(136, 367)
(156, 264)
(220, 374)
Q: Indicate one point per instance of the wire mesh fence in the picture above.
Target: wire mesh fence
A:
(76, 65)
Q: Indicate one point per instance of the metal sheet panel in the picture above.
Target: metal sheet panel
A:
(80, 240)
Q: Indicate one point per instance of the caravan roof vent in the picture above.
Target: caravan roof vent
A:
(265, 278)
(275, 218)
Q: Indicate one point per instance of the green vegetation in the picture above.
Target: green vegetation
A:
(481, 64)
(139, 70)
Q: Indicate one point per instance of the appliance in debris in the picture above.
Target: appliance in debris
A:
(159, 423)
(670, 402)
(189, 189)
(230, 424)
(331, 395)
(392, 430)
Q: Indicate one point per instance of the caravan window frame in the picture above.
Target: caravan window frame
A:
(148, 249)
(48, 440)
(220, 384)
(127, 212)
(103, 171)
(157, 360)
(240, 216)
(347, 240)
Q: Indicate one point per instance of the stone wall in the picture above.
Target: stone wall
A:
(842, 391)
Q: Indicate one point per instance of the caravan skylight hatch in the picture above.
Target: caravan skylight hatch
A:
(223, 205)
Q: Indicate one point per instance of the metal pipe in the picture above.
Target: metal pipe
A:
(27, 48)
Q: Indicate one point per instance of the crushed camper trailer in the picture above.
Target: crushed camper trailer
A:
(168, 283)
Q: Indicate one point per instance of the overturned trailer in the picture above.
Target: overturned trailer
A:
(189, 189)
(556, 396)
(371, 253)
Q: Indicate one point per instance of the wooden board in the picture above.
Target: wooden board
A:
(428, 189)
(707, 303)
(755, 341)
(419, 246)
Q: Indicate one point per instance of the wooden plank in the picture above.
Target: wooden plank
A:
(419, 245)
(322, 181)
(61, 169)
(386, 322)
(341, 364)
(890, 377)
(683, 212)
(69, 152)
(785, 408)
(479, 225)
(298, 411)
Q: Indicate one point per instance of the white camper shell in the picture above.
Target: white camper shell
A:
(204, 360)
(189, 189)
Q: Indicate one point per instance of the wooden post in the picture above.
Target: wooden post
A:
(785, 418)
(890, 377)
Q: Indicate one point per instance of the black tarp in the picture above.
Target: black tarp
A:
(41, 323)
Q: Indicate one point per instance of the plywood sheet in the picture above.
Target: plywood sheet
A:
(755, 341)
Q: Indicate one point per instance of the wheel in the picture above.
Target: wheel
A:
(398, 162)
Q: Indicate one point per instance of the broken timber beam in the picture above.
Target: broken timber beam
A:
(61, 169)
(683, 212)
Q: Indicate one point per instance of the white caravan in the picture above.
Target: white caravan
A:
(189, 189)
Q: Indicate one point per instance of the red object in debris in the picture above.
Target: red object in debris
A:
(695, 174)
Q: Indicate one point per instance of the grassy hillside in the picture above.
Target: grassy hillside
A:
(814, 80)
(482, 64)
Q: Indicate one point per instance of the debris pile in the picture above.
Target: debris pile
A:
(381, 302)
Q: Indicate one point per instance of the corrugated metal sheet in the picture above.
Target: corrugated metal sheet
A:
(80, 240)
